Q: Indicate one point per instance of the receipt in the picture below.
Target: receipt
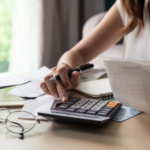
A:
(10, 81)
(92, 74)
(16, 80)
(40, 104)
(31, 90)
(37, 75)
(129, 80)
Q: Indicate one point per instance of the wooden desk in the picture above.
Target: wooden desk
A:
(133, 134)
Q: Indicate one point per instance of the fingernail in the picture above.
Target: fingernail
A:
(67, 87)
(44, 88)
(56, 95)
(63, 98)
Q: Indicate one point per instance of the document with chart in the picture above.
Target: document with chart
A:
(130, 82)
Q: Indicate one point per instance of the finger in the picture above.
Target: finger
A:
(75, 79)
(62, 92)
(63, 72)
(45, 89)
(51, 85)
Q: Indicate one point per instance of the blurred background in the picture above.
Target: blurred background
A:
(34, 33)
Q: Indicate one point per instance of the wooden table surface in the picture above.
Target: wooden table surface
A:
(133, 134)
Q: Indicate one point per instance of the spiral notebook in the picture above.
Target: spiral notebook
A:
(98, 89)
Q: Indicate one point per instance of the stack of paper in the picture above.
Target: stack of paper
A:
(30, 90)
(129, 80)
(42, 103)
(11, 81)
(17, 80)
(92, 74)
(33, 90)
(37, 75)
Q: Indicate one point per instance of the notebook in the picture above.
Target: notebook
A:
(95, 89)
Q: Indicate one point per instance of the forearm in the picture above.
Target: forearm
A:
(101, 38)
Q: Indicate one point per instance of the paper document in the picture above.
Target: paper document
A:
(92, 74)
(10, 81)
(37, 75)
(39, 104)
(129, 80)
(16, 80)
(31, 89)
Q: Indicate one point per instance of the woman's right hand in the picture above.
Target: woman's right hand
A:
(59, 88)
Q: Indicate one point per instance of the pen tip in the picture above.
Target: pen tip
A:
(52, 79)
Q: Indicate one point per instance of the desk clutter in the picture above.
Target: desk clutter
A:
(129, 80)
(124, 113)
(82, 111)
(31, 82)
(104, 107)
(44, 103)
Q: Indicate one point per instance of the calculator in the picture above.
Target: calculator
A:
(82, 111)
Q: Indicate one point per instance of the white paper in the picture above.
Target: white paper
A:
(37, 75)
(129, 80)
(14, 80)
(92, 74)
(31, 89)
(40, 104)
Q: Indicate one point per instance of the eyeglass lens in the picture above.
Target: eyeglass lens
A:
(16, 124)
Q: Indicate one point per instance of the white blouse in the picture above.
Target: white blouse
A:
(136, 47)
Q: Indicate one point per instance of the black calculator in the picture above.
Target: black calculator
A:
(82, 111)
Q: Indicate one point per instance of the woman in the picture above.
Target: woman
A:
(127, 18)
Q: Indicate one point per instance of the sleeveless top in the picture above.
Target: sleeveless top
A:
(136, 47)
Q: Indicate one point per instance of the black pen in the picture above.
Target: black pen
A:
(79, 69)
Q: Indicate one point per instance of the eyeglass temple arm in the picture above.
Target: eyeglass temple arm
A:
(2, 122)
(21, 135)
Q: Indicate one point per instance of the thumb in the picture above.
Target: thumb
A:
(75, 79)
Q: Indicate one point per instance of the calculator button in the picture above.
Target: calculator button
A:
(75, 106)
(80, 103)
(71, 109)
(63, 106)
(99, 106)
(84, 108)
(105, 102)
(109, 108)
(91, 112)
(81, 111)
(102, 114)
(112, 104)
(104, 111)
(73, 100)
(69, 103)
(89, 104)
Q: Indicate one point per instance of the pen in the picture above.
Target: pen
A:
(79, 69)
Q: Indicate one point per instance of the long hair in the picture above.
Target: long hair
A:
(135, 10)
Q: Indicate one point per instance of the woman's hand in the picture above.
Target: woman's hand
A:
(58, 88)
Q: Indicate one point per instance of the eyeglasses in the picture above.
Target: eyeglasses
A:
(15, 123)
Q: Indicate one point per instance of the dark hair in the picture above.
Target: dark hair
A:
(135, 10)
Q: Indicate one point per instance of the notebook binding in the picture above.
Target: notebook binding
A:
(106, 95)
